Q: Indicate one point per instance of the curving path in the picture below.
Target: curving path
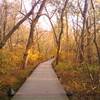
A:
(43, 84)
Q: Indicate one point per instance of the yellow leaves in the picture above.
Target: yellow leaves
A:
(9, 60)
(33, 55)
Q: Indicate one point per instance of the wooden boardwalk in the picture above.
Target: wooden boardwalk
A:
(43, 84)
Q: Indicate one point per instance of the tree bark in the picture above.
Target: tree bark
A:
(60, 34)
(81, 55)
(9, 34)
(95, 37)
(89, 52)
(30, 39)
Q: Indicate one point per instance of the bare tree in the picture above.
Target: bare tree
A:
(95, 35)
(32, 28)
(9, 34)
(61, 32)
(84, 12)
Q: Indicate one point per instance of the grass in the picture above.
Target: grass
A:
(77, 80)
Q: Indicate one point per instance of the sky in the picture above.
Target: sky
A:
(43, 20)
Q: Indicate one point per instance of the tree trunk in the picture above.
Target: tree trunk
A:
(67, 35)
(9, 34)
(89, 52)
(60, 34)
(95, 37)
(81, 55)
(28, 47)
(30, 39)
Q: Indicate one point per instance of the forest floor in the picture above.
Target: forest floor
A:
(77, 82)
(43, 84)
(11, 74)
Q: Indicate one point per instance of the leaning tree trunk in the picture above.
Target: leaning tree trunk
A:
(30, 39)
(89, 49)
(9, 34)
(67, 35)
(95, 42)
(60, 34)
(28, 47)
(81, 54)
